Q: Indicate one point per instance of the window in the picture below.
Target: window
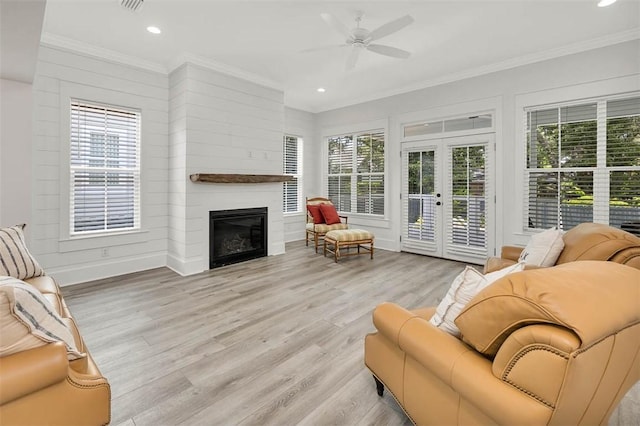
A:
(583, 164)
(355, 179)
(104, 168)
(292, 159)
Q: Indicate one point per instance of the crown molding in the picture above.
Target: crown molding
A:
(65, 43)
(583, 46)
(224, 69)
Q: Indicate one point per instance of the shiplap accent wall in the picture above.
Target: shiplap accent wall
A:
(61, 74)
(220, 124)
(302, 124)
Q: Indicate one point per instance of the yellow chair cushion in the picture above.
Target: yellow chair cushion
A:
(323, 227)
(349, 235)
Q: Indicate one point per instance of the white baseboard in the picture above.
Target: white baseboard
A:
(184, 267)
(89, 272)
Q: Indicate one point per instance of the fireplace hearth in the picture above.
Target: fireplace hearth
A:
(237, 235)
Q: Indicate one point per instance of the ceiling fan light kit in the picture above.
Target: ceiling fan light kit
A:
(359, 39)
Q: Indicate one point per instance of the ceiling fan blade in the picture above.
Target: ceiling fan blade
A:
(390, 27)
(389, 51)
(333, 22)
(353, 58)
(328, 47)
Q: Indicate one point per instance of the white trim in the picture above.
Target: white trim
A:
(558, 52)
(106, 269)
(60, 42)
(614, 87)
(68, 91)
(367, 126)
(224, 69)
(184, 267)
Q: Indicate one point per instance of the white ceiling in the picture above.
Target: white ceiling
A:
(263, 40)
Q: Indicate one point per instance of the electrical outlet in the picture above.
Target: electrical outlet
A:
(105, 252)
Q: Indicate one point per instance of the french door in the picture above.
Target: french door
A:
(447, 197)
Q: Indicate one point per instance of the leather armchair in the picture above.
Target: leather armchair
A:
(40, 386)
(587, 241)
(553, 346)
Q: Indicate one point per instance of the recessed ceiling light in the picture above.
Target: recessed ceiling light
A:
(154, 30)
(321, 90)
(605, 3)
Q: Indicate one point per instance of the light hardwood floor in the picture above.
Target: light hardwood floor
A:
(272, 341)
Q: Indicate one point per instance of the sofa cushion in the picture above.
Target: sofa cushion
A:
(15, 259)
(543, 248)
(464, 287)
(28, 320)
(581, 296)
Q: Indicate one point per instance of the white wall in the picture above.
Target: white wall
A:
(302, 124)
(16, 106)
(61, 75)
(602, 66)
(232, 126)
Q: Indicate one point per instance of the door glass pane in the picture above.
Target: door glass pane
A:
(421, 198)
(468, 210)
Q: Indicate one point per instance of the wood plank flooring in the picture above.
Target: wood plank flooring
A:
(272, 341)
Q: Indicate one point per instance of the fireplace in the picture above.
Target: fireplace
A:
(237, 235)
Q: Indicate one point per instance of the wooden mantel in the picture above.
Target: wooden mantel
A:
(238, 178)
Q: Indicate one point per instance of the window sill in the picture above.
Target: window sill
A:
(85, 242)
(366, 220)
(293, 214)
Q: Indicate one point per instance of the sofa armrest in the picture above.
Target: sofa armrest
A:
(469, 374)
(31, 370)
(511, 252)
(534, 359)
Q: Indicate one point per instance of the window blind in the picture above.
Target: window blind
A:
(583, 164)
(355, 174)
(466, 213)
(104, 168)
(291, 196)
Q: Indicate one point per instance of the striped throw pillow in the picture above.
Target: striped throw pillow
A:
(29, 321)
(15, 259)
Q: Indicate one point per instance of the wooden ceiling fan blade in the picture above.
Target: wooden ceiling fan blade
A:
(389, 51)
(390, 27)
(334, 23)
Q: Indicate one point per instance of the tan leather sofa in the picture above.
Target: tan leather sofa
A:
(552, 346)
(41, 387)
(587, 241)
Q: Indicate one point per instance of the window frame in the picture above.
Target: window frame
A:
(377, 126)
(110, 167)
(600, 171)
(60, 208)
(297, 176)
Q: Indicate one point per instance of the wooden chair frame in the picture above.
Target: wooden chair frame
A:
(313, 234)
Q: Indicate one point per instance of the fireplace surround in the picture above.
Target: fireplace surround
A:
(237, 235)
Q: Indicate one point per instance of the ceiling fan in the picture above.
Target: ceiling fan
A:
(360, 39)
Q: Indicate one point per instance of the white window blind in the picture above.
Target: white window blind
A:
(420, 190)
(467, 213)
(292, 158)
(104, 168)
(355, 175)
(583, 164)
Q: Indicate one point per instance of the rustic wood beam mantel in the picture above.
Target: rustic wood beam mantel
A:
(238, 178)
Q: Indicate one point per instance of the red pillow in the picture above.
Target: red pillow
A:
(329, 213)
(314, 211)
